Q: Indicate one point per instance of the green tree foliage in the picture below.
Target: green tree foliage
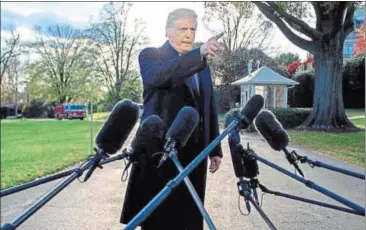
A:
(65, 62)
(285, 59)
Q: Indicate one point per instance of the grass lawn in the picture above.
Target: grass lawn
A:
(359, 122)
(349, 112)
(98, 116)
(355, 112)
(345, 146)
(221, 117)
(30, 149)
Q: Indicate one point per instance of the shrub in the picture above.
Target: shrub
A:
(301, 96)
(354, 82)
(234, 112)
(226, 97)
(291, 117)
(282, 71)
(288, 117)
(39, 109)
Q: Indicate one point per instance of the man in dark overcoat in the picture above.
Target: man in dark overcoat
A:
(176, 75)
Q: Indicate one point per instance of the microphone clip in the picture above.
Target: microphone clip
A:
(247, 189)
(95, 160)
(292, 158)
(249, 162)
(169, 149)
(243, 120)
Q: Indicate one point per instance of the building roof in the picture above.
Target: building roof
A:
(265, 76)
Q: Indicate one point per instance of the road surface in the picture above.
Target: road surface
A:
(97, 203)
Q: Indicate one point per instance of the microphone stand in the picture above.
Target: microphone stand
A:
(171, 152)
(305, 159)
(311, 184)
(50, 178)
(244, 187)
(165, 192)
(89, 163)
(249, 182)
(253, 183)
(326, 205)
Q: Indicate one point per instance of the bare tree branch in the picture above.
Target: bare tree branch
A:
(348, 22)
(8, 52)
(270, 14)
(346, 11)
(318, 15)
(114, 66)
(295, 23)
(63, 54)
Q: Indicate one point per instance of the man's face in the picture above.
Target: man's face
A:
(182, 34)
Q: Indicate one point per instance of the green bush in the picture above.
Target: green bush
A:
(235, 112)
(301, 96)
(288, 117)
(291, 117)
(39, 109)
(281, 70)
(354, 82)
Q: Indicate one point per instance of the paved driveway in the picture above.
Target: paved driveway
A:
(97, 203)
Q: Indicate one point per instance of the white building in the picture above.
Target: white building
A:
(268, 83)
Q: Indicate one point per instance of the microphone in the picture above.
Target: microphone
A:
(114, 132)
(244, 161)
(148, 139)
(251, 109)
(180, 130)
(276, 136)
(246, 117)
(248, 113)
(118, 126)
(182, 127)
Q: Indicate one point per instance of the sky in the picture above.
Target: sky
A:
(79, 14)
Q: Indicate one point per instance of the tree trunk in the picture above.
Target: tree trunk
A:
(62, 99)
(116, 96)
(328, 112)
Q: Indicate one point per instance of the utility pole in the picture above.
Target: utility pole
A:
(91, 126)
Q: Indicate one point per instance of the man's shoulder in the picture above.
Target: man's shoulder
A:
(150, 50)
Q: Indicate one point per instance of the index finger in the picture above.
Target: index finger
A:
(217, 37)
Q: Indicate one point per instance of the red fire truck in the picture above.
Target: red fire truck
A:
(70, 111)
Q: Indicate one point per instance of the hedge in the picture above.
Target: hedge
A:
(354, 82)
(39, 109)
(302, 94)
(289, 117)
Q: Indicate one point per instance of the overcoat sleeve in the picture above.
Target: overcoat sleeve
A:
(214, 126)
(158, 73)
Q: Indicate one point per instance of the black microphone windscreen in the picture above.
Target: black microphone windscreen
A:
(271, 129)
(252, 108)
(149, 136)
(183, 126)
(117, 126)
